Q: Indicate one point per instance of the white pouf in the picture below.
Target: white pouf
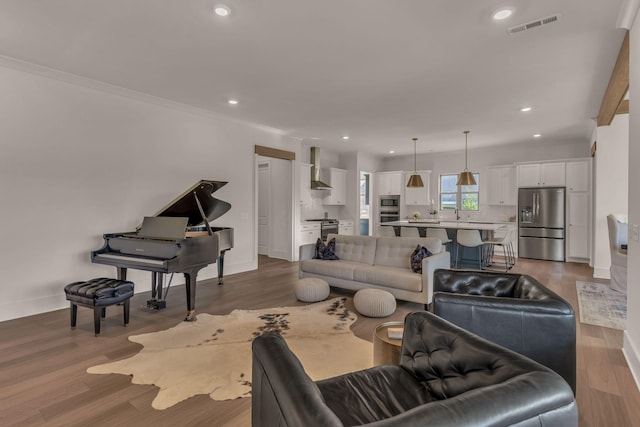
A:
(374, 302)
(311, 289)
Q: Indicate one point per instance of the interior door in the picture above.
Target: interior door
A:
(264, 206)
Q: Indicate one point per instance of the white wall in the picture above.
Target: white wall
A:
(631, 344)
(611, 172)
(77, 162)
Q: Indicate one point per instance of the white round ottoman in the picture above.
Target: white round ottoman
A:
(311, 289)
(374, 302)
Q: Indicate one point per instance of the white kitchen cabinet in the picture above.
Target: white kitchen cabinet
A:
(338, 182)
(578, 175)
(417, 196)
(309, 233)
(345, 227)
(577, 225)
(305, 184)
(389, 183)
(502, 186)
(541, 174)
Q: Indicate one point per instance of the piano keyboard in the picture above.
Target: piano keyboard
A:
(146, 261)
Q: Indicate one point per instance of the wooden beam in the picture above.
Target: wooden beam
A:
(274, 152)
(623, 108)
(618, 86)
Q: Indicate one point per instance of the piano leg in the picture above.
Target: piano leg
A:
(221, 267)
(156, 302)
(190, 286)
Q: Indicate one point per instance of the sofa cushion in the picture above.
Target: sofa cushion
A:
(327, 251)
(391, 277)
(363, 397)
(338, 269)
(419, 253)
(355, 248)
(396, 251)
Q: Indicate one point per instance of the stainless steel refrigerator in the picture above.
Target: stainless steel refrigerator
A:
(541, 223)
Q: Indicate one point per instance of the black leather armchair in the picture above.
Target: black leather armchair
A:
(513, 310)
(447, 377)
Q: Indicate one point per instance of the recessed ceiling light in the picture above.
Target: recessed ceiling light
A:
(391, 152)
(345, 137)
(525, 109)
(537, 135)
(233, 101)
(502, 14)
(221, 10)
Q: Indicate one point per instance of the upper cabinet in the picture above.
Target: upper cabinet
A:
(338, 182)
(578, 175)
(419, 195)
(541, 174)
(305, 184)
(389, 183)
(502, 186)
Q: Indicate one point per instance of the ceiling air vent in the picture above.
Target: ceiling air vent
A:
(533, 24)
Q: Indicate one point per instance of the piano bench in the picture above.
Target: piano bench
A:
(99, 294)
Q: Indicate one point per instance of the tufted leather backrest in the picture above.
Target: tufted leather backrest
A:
(450, 364)
(475, 283)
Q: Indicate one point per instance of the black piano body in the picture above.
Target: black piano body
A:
(165, 252)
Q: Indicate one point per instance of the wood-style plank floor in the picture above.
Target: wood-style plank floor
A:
(43, 379)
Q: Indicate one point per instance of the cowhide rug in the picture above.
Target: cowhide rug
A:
(213, 355)
(601, 306)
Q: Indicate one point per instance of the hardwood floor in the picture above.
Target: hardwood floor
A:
(43, 379)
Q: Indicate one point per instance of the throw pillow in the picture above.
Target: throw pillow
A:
(417, 256)
(326, 252)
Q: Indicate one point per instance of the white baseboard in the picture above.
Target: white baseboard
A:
(632, 356)
(16, 309)
(601, 273)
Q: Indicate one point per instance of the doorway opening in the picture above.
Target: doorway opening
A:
(365, 203)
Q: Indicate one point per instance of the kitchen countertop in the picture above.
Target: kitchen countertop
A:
(468, 225)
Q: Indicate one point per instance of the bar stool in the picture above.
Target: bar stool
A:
(507, 246)
(440, 233)
(470, 239)
(386, 231)
(409, 232)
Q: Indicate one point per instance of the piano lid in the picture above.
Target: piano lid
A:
(185, 205)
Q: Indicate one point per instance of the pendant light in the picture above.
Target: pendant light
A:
(466, 177)
(415, 180)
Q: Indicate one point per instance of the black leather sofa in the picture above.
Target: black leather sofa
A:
(447, 377)
(513, 310)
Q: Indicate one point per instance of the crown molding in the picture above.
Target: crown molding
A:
(76, 80)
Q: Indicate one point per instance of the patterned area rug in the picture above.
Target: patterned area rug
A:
(213, 355)
(601, 306)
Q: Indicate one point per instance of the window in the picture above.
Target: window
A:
(463, 198)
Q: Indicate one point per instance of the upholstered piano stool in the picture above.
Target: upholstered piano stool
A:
(99, 294)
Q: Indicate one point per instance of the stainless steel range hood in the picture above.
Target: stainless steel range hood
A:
(316, 184)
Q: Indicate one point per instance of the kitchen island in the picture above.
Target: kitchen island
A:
(469, 257)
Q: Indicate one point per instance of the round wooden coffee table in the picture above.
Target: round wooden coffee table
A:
(386, 351)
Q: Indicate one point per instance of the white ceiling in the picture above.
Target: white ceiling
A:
(380, 71)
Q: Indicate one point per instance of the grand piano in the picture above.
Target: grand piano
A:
(177, 239)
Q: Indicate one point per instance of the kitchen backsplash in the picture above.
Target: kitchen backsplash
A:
(316, 209)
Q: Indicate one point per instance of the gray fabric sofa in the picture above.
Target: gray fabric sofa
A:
(378, 263)
(447, 377)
